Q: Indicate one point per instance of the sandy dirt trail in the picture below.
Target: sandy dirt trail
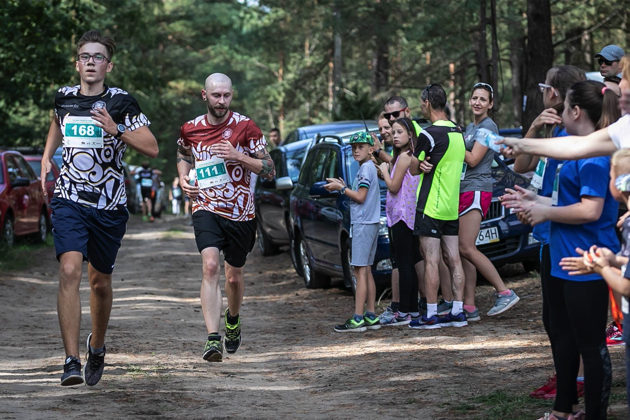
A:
(291, 363)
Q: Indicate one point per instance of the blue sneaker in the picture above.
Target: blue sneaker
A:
(450, 320)
(444, 307)
(424, 323)
(71, 372)
(472, 316)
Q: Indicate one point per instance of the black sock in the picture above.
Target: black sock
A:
(214, 336)
(231, 319)
(395, 306)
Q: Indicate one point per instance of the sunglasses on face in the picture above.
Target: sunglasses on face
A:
(543, 86)
(393, 114)
(602, 60)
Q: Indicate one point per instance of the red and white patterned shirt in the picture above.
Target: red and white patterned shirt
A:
(233, 200)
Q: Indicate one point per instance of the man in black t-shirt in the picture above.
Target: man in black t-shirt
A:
(95, 123)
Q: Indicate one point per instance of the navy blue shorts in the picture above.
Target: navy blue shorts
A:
(95, 233)
(235, 239)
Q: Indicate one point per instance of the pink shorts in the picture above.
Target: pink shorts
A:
(474, 200)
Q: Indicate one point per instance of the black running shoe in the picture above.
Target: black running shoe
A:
(232, 334)
(213, 350)
(71, 372)
(94, 365)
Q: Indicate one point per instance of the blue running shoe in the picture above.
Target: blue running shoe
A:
(450, 320)
(424, 323)
(71, 372)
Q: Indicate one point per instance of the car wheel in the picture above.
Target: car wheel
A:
(294, 251)
(8, 234)
(264, 244)
(349, 279)
(42, 228)
(312, 279)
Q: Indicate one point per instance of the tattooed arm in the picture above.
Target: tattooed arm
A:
(184, 165)
(260, 163)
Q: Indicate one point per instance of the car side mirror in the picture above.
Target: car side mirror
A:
(284, 183)
(20, 182)
(318, 190)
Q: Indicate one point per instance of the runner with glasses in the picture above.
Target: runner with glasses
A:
(95, 124)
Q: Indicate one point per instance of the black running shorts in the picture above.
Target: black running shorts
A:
(235, 239)
(435, 228)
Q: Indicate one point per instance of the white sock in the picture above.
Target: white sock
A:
(457, 307)
(431, 309)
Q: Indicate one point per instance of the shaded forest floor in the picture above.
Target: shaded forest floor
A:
(291, 363)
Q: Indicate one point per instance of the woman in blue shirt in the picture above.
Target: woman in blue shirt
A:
(582, 212)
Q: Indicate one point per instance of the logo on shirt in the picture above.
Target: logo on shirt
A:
(227, 133)
(98, 105)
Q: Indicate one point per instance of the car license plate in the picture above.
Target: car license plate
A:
(487, 236)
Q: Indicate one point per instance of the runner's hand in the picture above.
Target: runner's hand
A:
(226, 151)
(46, 167)
(104, 120)
(191, 191)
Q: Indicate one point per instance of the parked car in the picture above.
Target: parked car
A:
(271, 197)
(320, 220)
(23, 208)
(339, 128)
(502, 237)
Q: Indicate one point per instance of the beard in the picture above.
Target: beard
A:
(217, 112)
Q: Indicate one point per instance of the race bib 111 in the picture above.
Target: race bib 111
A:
(82, 132)
(211, 173)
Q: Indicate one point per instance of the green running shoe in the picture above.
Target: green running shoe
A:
(352, 326)
(232, 334)
(372, 323)
(213, 351)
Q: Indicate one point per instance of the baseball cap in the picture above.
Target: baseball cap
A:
(611, 53)
(361, 137)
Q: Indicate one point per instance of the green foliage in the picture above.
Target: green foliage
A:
(279, 54)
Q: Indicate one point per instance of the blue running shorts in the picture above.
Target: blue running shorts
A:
(95, 233)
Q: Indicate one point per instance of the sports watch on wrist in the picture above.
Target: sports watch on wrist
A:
(342, 191)
(121, 129)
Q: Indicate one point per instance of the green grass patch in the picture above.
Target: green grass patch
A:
(503, 405)
(20, 256)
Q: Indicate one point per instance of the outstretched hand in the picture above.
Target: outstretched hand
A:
(334, 184)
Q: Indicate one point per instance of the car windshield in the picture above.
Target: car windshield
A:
(353, 168)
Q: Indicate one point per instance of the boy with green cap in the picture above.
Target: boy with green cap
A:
(365, 213)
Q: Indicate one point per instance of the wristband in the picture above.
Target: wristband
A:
(342, 191)
(376, 153)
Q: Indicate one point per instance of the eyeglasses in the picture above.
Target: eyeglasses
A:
(602, 60)
(393, 114)
(98, 58)
(543, 86)
(483, 85)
